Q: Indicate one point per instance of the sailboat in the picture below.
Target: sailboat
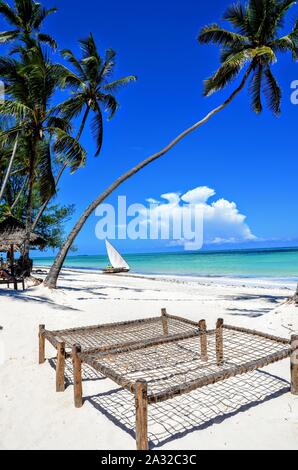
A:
(118, 264)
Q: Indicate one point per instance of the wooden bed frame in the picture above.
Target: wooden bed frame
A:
(109, 336)
(14, 282)
(176, 365)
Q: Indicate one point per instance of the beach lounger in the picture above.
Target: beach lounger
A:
(161, 369)
(13, 281)
(109, 336)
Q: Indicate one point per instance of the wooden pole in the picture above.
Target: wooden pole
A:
(203, 338)
(294, 365)
(12, 260)
(15, 284)
(141, 415)
(60, 367)
(41, 340)
(165, 325)
(219, 341)
(77, 376)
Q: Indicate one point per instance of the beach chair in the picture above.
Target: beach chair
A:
(7, 279)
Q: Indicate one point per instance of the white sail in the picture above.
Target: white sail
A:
(115, 258)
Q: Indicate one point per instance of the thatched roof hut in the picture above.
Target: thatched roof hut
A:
(13, 232)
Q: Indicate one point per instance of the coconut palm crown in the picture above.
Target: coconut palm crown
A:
(92, 88)
(25, 18)
(254, 42)
(30, 87)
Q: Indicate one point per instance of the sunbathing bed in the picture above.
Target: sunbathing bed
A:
(155, 369)
(109, 336)
(13, 281)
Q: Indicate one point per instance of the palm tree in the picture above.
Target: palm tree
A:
(91, 92)
(26, 19)
(30, 86)
(252, 46)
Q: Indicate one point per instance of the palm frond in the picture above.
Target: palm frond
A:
(9, 14)
(59, 123)
(97, 130)
(227, 72)
(15, 109)
(111, 104)
(255, 88)
(281, 10)
(288, 43)
(25, 9)
(69, 148)
(272, 92)
(109, 64)
(9, 68)
(40, 14)
(236, 15)
(89, 49)
(116, 84)
(69, 79)
(47, 39)
(217, 35)
(256, 14)
(72, 107)
(7, 36)
(68, 55)
(227, 53)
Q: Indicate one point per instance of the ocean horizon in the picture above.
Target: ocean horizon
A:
(280, 263)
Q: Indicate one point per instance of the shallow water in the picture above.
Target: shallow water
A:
(273, 263)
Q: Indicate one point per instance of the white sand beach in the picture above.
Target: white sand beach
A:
(253, 411)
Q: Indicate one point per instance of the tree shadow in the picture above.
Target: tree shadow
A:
(248, 312)
(274, 299)
(200, 409)
(88, 373)
(25, 297)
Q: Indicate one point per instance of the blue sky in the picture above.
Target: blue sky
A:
(246, 159)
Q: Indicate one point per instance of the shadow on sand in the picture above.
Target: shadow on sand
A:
(175, 418)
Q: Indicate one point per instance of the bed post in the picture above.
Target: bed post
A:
(141, 415)
(165, 325)
(77, 376)
(60, 367)
(203, 338)
(294, 365)
(219, 341)
(41, 339)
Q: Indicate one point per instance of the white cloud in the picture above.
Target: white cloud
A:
(223, 223)
(198, 195)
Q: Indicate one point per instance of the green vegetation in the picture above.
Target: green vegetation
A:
(36, 131)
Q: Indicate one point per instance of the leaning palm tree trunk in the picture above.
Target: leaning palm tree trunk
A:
(62, 169)
(52, 277)
(294, 299)
(7, 175)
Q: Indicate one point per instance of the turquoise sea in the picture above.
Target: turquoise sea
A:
(272, 263)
